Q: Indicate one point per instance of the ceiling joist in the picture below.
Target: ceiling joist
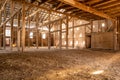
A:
(86, 8)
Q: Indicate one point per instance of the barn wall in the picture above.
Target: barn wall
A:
(102, 40)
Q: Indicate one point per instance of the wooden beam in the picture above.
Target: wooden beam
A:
(32, 14)
(49, 33)
(2, 8)
(59, 5)
(23, 27)
(30, 4)
(115, 40)
(112, 9)
(104, 3)
(92, 2)
(37, 31)
(91, 24)
(86, 8)
(4, 28)
(60, 35)
(44, 24)
(73, 33)
(18, 33)
(110, 5)
(0, 28)
(10, 17)
(71, 27)
(67, 32)
(29, 21)
(12, 21)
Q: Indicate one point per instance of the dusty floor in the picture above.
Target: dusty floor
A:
(61, 65)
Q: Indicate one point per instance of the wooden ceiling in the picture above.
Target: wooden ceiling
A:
(106, 7)
(84, 9)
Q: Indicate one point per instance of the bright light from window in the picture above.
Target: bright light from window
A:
(65, 42)
(97, 72)
(77, 28)
(45, 28)
(31, 35)
(76, 43)
(7, 33)
(83, 42)
(63, 26)
(103, 24)
(80, 35)
(80, 22)
(63, 36)
(70, 42)
(43, 36)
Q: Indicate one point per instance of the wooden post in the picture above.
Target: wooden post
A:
(91, 24)
(49, 38)
(41, 40)
(60, 35)
(49, 34)
(37, 31)
(118, 33)
(67, 32)
(4, 36)
(12, 19)
(115, 42)
(73, 34)
(23, 27)
(18, 32)
(29, 20)
(4, 29)
(99, 26)
(0, 27)
(106, 26)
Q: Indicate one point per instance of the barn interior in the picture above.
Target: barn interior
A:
(63, 39)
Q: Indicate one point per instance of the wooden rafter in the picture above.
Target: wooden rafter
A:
(113, 4)
(104, 3)
(92, 1)
(86, 8)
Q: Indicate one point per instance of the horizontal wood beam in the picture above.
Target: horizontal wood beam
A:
(92, 1)
(110, 5)
(71, 27)
(44, 24)
(104, 3)
(86, 8)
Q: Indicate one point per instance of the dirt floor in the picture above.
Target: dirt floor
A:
(60, 65)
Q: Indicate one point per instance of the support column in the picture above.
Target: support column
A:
(23, 27)
(73, 34)
(37, 31)
(60, 35)
(29, 20)
(106, 26)
(18, 32)
(11, 38)
(4, 29)
(67, 32)
(49, 38)
(4, 36)
(118, 33)
(49, 33)
(0, 27)
(91, 24)
(115, 41)
(99, 29)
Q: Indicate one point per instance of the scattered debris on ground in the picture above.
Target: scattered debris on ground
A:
(60, 65)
